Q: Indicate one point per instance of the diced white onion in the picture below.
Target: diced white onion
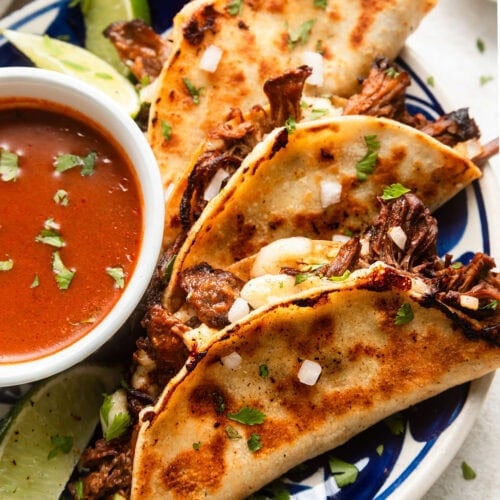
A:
(309, 372)
(315, 61)
(398, 236)
(365, 247)
(212, 190)
(330, 193)
(231, 361)
(279, 253)
(211, 58)
(419, 287)
(238, 310)
(469, 302)
(341, 238)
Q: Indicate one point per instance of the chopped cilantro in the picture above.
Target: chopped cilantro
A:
(396, 424)
(344, 473)
(196, 446)
(61, 197)
(118, 274)
(166, 130)
(50, 235)
(492, 304)
(318, 113)
(346, 275)
(254, 443)
(366, 165)
(457, 265)
(119, 423)
(264, 371)
(234, 7)
(167, 270)
(68, 161)
(9, 166)
(63, 275)
(404, 315)
(468, 472)
(290, 124)
(79, 490)
(35, 282)
(60, 444)
(232, 433)
(6, 265)
(392, 72)
(301, 36)
(394, 191)
(193, 91)
(220, 403)
(279, 491)
(484, 79)
(430, 81)
(248, 416)
(300, 278)
(380, 450)
(480, 45)
(321, 4)
(348, 232)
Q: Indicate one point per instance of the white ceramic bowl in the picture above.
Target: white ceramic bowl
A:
(85, 100)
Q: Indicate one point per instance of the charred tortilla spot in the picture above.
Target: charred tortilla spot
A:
(369, 11)
(203, 20)
(386, 279)
(280, 142)
(208, 399)
(185, 479)
(325, 154)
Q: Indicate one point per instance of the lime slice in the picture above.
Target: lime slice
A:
(64, 408)
(53, 54)
(99, 14)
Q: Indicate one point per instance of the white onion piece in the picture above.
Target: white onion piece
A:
(365, 247)
(469, 302)
(212, 190)
(398, 236)
(341, 238)
(330, 193)
(419, 287)
(315, 61)
(231, 361)
(309, 372)
(211, 58)
(238, 310)
(279, 253)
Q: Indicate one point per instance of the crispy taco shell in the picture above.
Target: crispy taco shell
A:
(371, 368)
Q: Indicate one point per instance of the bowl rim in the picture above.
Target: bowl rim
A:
(100, 109)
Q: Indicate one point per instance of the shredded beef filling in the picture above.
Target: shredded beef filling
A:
(211, 293)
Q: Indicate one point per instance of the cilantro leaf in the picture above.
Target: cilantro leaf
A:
(88, 164)
(300, 278)
(61, 197)
(63, 275)
(321, 4)
(380, 450)
(79, 490)
(480, 45)
(248, 416)
(254, 443)
(35, 282)
(404, 315)
(232, 433)
(430, 81)
(317, 113)
(196, 446)
(290, 125)
(301, 35)
(346, 275)
(60, 444)
(468, 472)
(166, 130)
(484, 79)
(366, 165)
(492, 304)
(50, 235)
(394, 191)
(114, 424)
(392, 72)
(396, 424)
(234, 7)
(264, 371)
(6, 265)
(344, 473)
(118, 274)
(68, 161)
(9, 166)
(193, 91)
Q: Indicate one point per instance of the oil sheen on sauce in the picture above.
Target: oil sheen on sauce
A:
(95, 213)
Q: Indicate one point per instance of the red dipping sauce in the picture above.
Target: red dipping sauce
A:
(69, 239)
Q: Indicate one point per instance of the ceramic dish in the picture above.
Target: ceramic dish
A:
(433, 430)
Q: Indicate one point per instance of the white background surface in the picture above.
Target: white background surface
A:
(445, 43)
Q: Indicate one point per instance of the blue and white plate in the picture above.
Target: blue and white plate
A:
(400, 463)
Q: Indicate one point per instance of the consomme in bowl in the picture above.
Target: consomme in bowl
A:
(70, 226)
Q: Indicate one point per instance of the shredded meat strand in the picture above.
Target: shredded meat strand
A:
(345, 260)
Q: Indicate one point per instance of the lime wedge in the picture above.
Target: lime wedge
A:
(99, 14)
(59, 411)
(53, 54)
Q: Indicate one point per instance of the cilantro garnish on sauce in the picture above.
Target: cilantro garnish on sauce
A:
(343, 472)
(9, 166)
(366, 165)
(248, 416)
(67, 161)
(6, 265)
(50, 235)
(61, 198)
(63, 275)
(118, 274)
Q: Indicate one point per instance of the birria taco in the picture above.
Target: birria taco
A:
(223, 52)
(319, 179)
(380, 329)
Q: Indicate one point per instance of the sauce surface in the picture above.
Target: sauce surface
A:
(98, 217)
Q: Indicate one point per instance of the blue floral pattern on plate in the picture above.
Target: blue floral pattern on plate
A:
(379, 449)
